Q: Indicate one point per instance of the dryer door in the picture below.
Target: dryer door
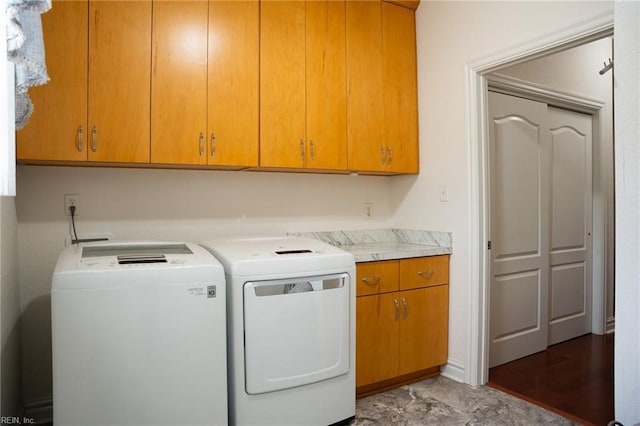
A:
(296, 331)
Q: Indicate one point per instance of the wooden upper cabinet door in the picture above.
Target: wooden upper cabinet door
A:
(400, 88)
(233, 82)
(57, 129)
(179, 82)
(119, 81)
(282, 84)
(326, 87)
(365, 92)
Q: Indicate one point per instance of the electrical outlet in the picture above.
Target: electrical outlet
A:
(71, 200)
(368, 209)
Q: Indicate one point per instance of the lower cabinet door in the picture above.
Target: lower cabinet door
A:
(423, 328)
(377, 319)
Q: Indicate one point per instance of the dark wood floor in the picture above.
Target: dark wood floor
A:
(573, 378)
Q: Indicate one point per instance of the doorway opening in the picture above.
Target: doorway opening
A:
(478, 77)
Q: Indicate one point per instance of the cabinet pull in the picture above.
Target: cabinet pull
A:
(371, 280)
(79, 146)
(201, 144)
(390, 155)
(383, 155)
(213, 144)
(312, 149)
(426, 274)
(94, 139)
(405, 305)
(397, 305)
(302, 150)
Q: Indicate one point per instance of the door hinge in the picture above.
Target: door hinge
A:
(488, 245)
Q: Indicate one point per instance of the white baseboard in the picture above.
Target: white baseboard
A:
(40, 410)
(454, 371)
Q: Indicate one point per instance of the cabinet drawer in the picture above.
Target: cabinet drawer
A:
(376, 277)
(424, 272)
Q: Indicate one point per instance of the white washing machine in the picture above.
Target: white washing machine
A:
(291, 329)
(139, 335)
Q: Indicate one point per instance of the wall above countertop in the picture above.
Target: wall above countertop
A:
(386, 244)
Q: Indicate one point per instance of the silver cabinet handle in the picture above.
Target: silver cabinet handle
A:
(94, 139)
(397, 305)
(312, 148)
(426, 274)
(80, 146)
(390, 155)
(383, 156)
(213, 144)
(302, 150)
(371, 280)
(405, 305)
(201, 144)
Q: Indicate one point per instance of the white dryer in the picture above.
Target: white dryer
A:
(139, 335)
(291, 328)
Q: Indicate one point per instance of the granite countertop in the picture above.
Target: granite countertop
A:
(385, 244)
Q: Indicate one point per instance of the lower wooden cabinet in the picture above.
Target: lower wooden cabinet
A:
(401, 335)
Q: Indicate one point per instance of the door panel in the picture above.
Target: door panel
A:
(377, 343)
(519, 197)
(326, 87)
(282, 83)
(179, 82)
(60, 106)
(571, 222)
(120, 80)
(233, 82)
(541, 226)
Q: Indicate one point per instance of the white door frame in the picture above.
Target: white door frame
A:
(478, 72)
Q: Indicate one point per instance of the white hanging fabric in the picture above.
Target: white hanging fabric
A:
(25, 48)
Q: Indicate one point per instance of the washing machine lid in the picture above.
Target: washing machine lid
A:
(255, 257)
(111, 263)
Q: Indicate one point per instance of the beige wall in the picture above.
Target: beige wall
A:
(10, 378)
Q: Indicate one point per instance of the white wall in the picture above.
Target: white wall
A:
(575, 71)
(187, 205)
(451, 35)
(10, 380)
(627, 153)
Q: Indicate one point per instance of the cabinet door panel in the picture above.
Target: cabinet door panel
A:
(179, 82)
(282, 83)
(424, 271)
(376, 277)
(376, 338)
(423, 329)
(400, 88)
(120, 80)
(233, 82)
(326, 91)
(365, 92)
(60, 106)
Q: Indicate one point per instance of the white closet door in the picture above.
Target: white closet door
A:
(541, 221)
(571, 224)
(519, 175)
